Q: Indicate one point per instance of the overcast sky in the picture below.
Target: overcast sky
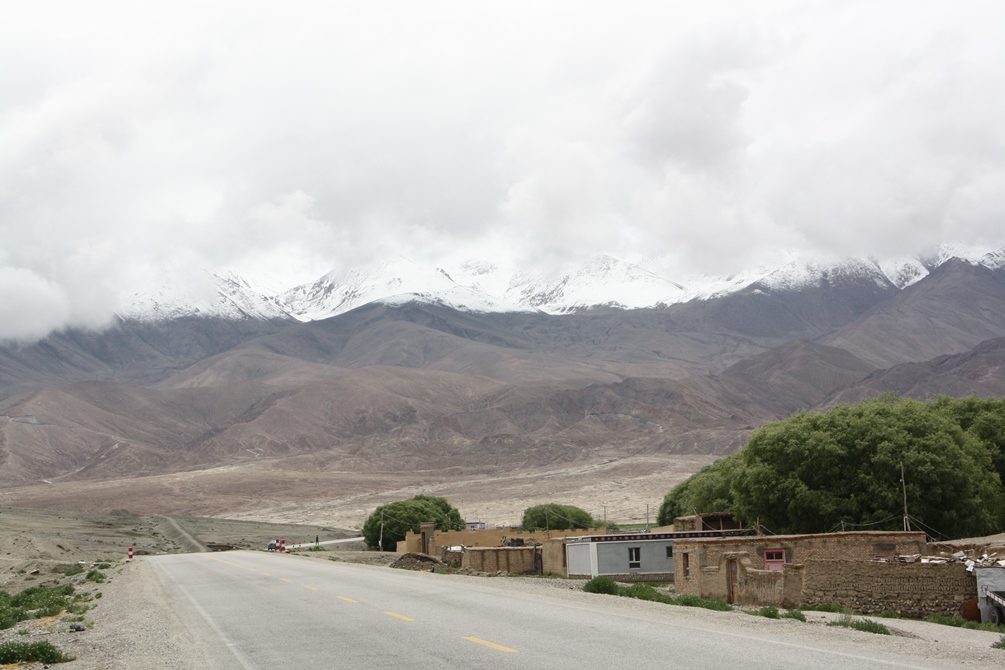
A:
(285, 140)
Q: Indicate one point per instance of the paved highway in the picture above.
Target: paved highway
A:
(265, 610)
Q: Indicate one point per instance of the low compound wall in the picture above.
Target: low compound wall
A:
(911, 589)
(513, 560)
(492, 537)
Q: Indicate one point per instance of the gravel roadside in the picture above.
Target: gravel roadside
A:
(137, 624)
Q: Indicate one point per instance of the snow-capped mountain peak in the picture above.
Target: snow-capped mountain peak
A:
(483, 286)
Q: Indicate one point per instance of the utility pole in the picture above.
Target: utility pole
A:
(903, 485)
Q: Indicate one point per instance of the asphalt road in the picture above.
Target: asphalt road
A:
(266, 610)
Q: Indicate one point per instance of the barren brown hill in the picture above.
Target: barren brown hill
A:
(954, 309)
(979, 372)
(204, 417)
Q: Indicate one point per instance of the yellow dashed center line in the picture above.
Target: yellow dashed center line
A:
(220, 560)
(312, 588)
(348, 600)
(283, 579)
(399, 616)
(266, 574)
(497, 647)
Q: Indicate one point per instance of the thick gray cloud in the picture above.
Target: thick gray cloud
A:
(288, 142)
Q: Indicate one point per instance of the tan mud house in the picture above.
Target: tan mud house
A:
(868, 571)
(632, 556)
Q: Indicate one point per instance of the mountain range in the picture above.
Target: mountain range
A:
(474, 371)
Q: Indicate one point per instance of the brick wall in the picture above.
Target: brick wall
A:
(911, 589)
(851, 546)
(491, 537)
(516, 560)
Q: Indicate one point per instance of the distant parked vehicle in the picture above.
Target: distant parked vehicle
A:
(272, 545)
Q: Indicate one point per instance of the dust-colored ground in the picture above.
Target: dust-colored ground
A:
(38, 546)
(625, 490)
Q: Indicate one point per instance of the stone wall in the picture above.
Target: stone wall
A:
(911, 589)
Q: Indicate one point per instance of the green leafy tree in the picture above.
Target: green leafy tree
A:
(553, 516)
(708, 490)
(813, 471)
(389, 524)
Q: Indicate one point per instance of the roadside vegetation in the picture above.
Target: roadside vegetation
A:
(864, 625)
(640, 591)
(960, 622)
(841, 469)
(38, 602)
(388, 524)
(31, 652)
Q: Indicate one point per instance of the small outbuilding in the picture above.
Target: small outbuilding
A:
(631, 556)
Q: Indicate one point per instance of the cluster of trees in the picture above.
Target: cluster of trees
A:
(388, 524)
(553, 516)
(817, 472)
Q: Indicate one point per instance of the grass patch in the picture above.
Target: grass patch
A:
(1000, 644)
(864, 625)
(889, 614)
(795, 614)
(31, 652)
(960, 622)
(767, 611)
(826, 608)
(96, 576)
(642, 591)
(72, 572)
(36, 602)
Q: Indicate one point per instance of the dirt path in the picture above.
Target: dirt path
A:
(181, 537)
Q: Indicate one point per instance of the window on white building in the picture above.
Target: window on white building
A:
(634, 557)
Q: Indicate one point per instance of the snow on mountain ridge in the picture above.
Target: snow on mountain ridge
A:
(481, 286)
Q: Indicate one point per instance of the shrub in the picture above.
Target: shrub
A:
(768, 611)
(889, 614)
(31, 652)
(870, 626)
(96, 576)
(705, 603)
(795, 614)
(602, 585)
(35, 602)
(640, 592)
(960, 622)
(1000, 644)
(75, 570)
(826, 608)
(864, 625)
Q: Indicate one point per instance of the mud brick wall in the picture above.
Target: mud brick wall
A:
(516, 560)
(911, 589)
(862, 546)
(555, 561)
(490, 537)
